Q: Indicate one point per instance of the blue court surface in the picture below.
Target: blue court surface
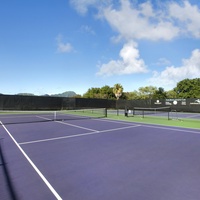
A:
(100, 159)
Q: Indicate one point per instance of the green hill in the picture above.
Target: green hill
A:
(65, 94)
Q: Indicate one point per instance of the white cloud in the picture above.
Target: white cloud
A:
(171, 75)
(161, 62)
(87, 29)
(63, 47)
(129, 64)
(82, 5)
(135, 21)
(144, 20)
(140, 22)
(188, 17)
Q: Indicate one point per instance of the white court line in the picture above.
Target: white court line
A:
(179, 129)
(117, 121)
(183, 129)
(76, 126)
(191, 116)
(173, 128)
(33, 165)
(77, 135)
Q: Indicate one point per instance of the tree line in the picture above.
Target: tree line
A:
(187, 88)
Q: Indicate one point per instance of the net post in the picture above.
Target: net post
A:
(54, 116)
(126, 112)
(133, 111)
(168, 113)
(106, 113)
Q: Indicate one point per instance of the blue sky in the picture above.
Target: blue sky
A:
(53, 46)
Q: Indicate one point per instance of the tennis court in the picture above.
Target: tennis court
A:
(99, 158)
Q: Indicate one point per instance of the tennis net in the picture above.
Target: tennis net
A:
(158, 111)
(16, 117)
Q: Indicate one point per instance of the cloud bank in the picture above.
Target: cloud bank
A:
(137, 21)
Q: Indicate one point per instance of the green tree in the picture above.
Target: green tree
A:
(160, 93)
(107, 92)
(188, 88)
(93, 93)
(118, 90)
(171, 94)
(104, 92)
(146, 92)
(132, 95)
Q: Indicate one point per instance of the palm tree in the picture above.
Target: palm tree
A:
(117, 90)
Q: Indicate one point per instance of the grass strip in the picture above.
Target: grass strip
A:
(184, 122)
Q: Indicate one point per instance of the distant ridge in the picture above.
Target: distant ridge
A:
(64, 94)
(26, 94)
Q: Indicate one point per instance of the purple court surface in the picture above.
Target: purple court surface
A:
(100, 159)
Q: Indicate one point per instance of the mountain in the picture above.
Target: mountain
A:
(65, 94)
(25, 94)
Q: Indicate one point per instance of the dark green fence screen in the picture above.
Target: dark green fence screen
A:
(17, 102)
